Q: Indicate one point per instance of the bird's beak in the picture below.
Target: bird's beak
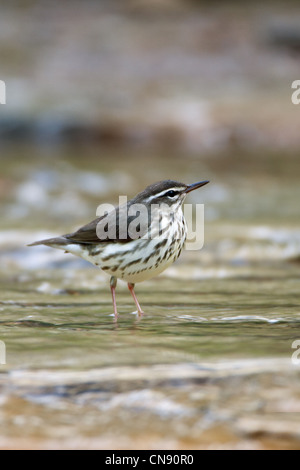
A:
(191, 187)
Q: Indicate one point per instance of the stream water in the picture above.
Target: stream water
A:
(208, 366)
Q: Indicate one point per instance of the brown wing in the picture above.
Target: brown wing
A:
(86, 234)
(116, 226)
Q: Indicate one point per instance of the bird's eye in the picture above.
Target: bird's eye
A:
(171, 193)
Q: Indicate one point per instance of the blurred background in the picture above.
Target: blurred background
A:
(104, 97)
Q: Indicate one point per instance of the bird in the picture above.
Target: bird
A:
(136, 240)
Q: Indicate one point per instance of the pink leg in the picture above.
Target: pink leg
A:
(113, 283)
(131, 288)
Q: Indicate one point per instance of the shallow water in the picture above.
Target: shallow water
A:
(210, 363)
(186, 320)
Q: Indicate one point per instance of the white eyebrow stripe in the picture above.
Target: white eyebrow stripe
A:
(165, 191)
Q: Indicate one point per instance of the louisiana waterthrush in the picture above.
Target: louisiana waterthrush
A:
(136, 240)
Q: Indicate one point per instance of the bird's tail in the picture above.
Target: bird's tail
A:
(59, 241)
